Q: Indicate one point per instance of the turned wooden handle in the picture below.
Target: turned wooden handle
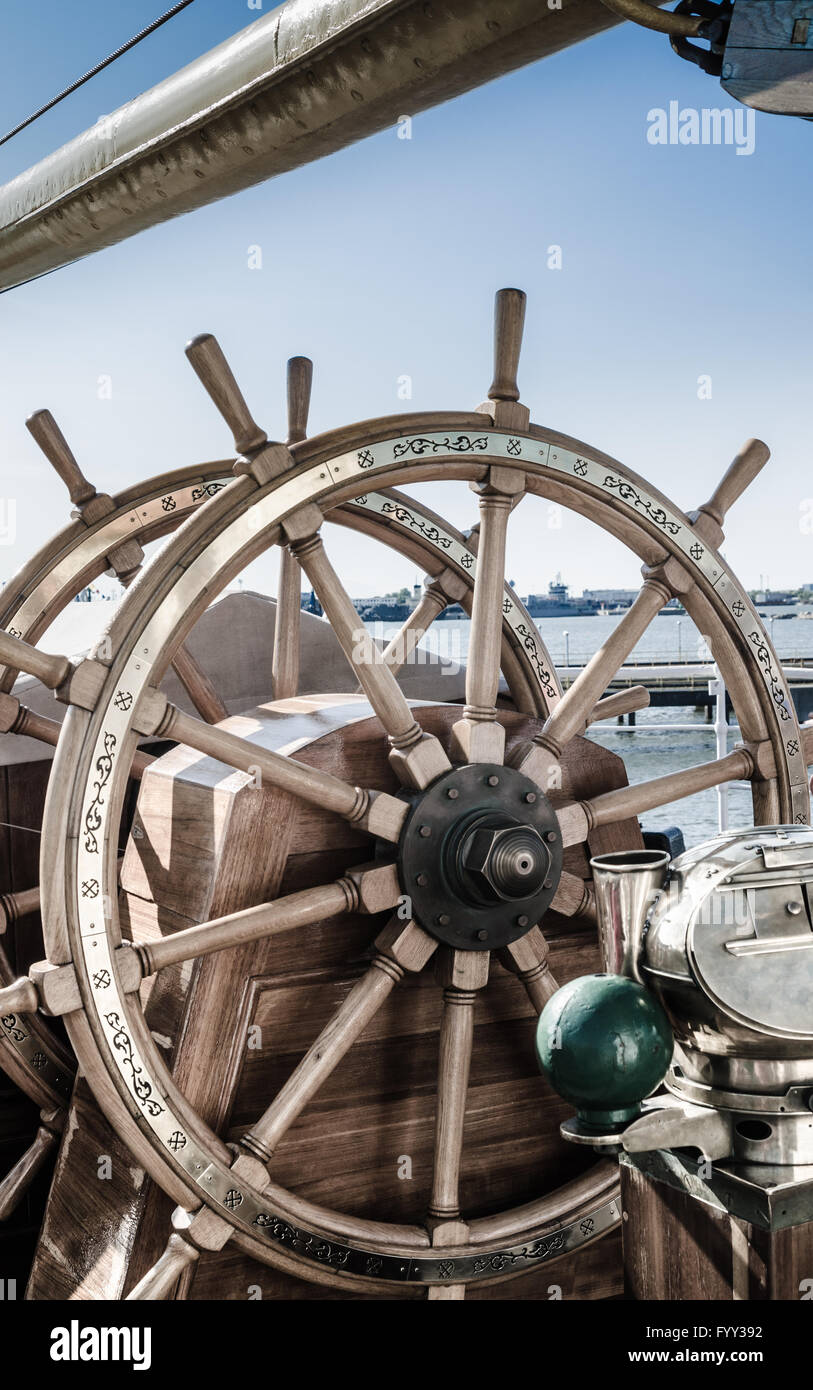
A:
(217, 378)
(13, 906)
(300, 381)
(159, 1281)
(45, 430)
(509, 320)
(21, 656)
(17, 1182)
(19, 998)
(624, 702)
(749, 462)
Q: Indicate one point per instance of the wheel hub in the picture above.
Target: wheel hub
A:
(480, 857)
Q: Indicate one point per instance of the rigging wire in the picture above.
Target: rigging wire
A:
(131, 43)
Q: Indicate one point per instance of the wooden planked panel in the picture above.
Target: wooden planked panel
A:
(674, 1247)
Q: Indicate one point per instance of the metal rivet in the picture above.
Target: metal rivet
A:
(530, 797)
(421, 880)
(482, 935)
(424, 832)
(493, 781)
(453, 793)
(444, 919)
(794, 908)
(522, 921)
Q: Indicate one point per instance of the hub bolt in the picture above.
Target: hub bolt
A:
(482, 935)
(421, 880)
(522, 921)
(530, 797)
(551, 837)
(453, 793)
(493, 781)
(444, 919)
(548, 883)
(425, 832)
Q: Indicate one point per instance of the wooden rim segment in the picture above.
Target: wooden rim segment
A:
(78, 554)
(92, 762)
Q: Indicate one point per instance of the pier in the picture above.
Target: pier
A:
(673, 684)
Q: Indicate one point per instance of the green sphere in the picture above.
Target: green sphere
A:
(604, 1043)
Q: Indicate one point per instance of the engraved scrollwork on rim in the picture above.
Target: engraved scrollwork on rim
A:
(206, 490)
(142, 1089)
(628, 493)
(13, 1027)
(408, 518)
(435, 1268)
(304, 1242)
(778, 692)
(543, 674)
(461, 444)
(534, 1253)
(93, 815)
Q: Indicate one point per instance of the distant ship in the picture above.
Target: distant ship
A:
(557, 603)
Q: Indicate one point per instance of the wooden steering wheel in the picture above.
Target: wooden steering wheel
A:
(472, 841)
(107, 534)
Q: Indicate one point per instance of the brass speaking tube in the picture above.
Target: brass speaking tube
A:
(626, 885)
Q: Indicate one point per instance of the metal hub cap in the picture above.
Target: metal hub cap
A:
(501, 861)
(480, 857)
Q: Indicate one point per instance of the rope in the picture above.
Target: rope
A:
(131, 43)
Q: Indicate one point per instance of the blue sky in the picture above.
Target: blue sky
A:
(382, 261)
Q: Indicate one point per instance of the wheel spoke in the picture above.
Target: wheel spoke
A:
(398, 651)
(373, 890)
(577, 819)
(18, 719)
(478, 736)
(418, 757)
(573, 711)
(198, 687)
(401, 947)
(19, 1178)
(285, 663)
(528, 960)
(574, 897)
(287, 624)
(463, 974)
(377, 812)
